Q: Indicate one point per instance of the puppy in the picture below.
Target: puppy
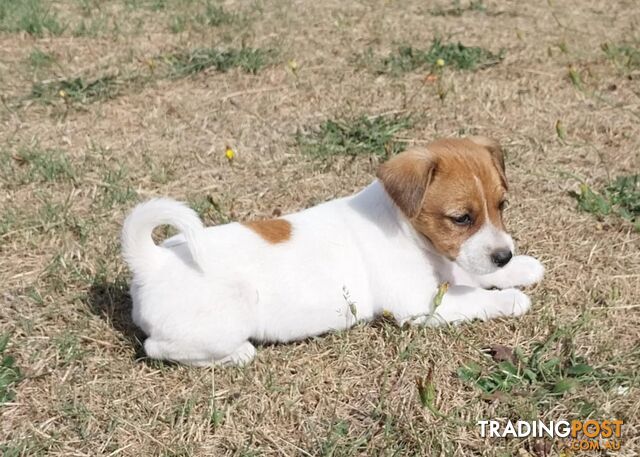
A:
(434, 215)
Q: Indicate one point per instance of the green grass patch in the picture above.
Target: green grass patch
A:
(30, 165)
(621, 197)
(215, 16)
(69, 348)
(39, 59)
(115, 188)
(77, 90)
(92, 27)
(210, 209)
(550, 369)
(34, 17)
(188, 63)
(9, 373)
(362, 135)
(623, 55)
(454, 55)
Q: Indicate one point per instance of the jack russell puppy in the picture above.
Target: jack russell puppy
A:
(434, 215)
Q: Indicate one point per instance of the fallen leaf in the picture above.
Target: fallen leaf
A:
(501, 353)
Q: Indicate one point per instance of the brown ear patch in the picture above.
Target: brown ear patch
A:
(406, 177)
(271, 230)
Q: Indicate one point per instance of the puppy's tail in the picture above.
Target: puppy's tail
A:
(138, 248)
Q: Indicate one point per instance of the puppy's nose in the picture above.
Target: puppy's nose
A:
(501, 257)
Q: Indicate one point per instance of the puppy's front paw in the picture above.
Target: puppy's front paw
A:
(525, 270)
(513, 302)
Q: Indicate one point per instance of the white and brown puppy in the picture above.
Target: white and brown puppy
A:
(433, 215)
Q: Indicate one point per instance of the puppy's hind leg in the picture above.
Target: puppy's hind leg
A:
(195, 356)
(175, 352)
(241, 356)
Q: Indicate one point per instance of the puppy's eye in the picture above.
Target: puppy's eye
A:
(503, 204)
(463, 220)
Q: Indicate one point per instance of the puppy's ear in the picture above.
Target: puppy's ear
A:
(496, 152)
(406, 177)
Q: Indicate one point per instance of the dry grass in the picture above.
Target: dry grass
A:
(70, 170)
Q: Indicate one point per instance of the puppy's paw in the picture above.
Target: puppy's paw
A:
(513, 302)
(524, 270)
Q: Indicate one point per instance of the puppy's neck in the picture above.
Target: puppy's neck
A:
(374, 203)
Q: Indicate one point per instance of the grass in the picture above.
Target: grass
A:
(362, 135)
(34, 164)
(209, 209)
(247, 59)
(9, 373)
(211, 15)
(440, 54)
(39, 59)
(77, 90)
(72, 167)
(549, 369)
(621, 197)
(115, 188)
(34, 17)
(625, 56)
(457, 9)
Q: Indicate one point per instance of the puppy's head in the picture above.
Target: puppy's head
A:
(453, 193)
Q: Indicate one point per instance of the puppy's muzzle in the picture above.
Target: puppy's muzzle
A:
(501, 257)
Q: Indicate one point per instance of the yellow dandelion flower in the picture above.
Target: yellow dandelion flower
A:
(229, 153)
(440, 62)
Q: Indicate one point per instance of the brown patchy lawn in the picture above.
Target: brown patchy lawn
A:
(105, 104)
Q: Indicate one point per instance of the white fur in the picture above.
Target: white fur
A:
(204, 295)
(475, 252)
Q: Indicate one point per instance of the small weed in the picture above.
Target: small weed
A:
(8, 220)
(114, 188)
(78, 416)
(210, 210)
(455, 55)
(25, 446)
(9, 373)
(178, 24)
(39, 59)
(575, 78)
(337, 441)
(457, 9)
(215, 16)
(552, 369)
(69, 348)
(34, 17)
(620, 197)
(91, 27)
(36, 165)
(77, 90)
(624, 56)
(248, 59)
(362, 135)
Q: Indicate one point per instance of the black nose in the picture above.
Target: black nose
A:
(501, 257)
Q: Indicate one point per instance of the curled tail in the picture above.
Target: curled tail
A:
(138, 248)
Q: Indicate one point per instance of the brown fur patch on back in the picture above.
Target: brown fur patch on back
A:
(271, 230)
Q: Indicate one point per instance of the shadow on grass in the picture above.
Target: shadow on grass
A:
(111, 301)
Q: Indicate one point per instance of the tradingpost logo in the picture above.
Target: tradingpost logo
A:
(587, 435)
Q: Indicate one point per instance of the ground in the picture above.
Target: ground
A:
(252, 109)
